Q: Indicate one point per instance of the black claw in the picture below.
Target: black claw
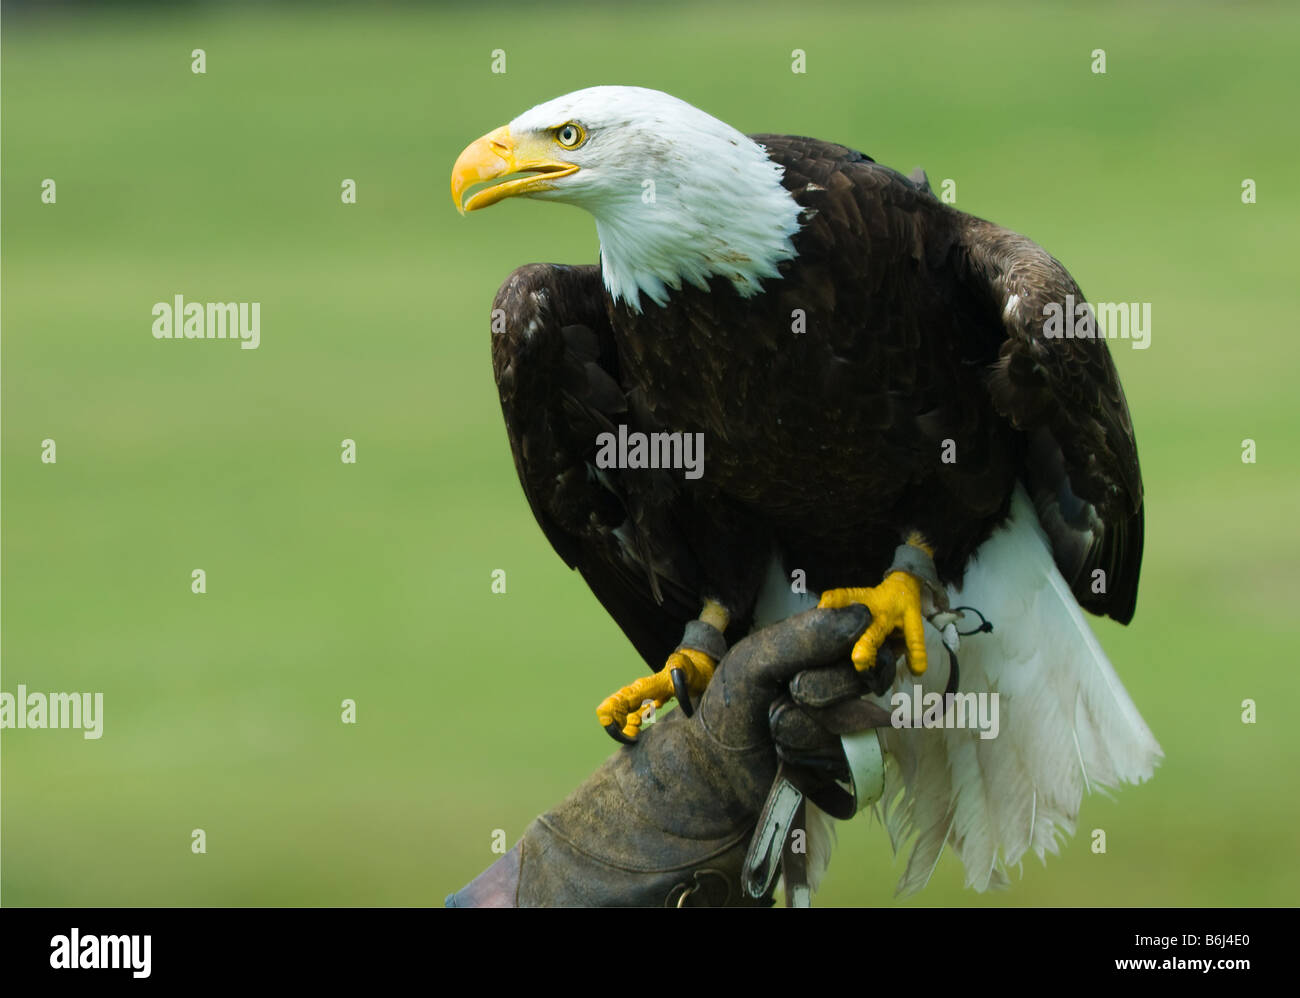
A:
(953, 673)
(682, 692)
(616, 733)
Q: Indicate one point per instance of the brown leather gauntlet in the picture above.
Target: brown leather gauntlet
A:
(667, 821)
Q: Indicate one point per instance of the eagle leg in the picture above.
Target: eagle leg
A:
(895, 604)
(686, 674)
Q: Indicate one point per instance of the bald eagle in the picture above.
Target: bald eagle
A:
(870, 377)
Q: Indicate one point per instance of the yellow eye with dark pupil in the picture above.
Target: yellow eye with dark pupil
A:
(569, 136)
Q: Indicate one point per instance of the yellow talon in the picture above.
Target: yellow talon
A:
(624, 707)
(895, 604)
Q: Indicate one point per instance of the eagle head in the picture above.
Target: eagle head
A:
(678, 196)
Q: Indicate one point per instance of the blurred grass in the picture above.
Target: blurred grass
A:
(371, 581)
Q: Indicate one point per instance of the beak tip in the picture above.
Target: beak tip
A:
(484, 159)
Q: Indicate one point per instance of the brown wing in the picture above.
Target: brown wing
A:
(1066, 395)
(558, 379)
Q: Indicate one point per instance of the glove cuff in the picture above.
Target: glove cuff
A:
(636, 834)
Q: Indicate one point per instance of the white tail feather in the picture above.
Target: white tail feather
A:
(1066, 723)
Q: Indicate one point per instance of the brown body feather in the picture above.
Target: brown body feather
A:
(826, 445)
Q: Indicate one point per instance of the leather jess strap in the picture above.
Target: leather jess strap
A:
(782, 833)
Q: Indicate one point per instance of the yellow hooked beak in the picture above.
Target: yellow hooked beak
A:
(498, 155)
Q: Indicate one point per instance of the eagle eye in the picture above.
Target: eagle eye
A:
(570, 135)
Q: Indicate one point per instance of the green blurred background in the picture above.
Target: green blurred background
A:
(328, 581)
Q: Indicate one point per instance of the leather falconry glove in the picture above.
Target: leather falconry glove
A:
(668, 820)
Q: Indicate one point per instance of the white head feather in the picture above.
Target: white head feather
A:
(678, 196)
